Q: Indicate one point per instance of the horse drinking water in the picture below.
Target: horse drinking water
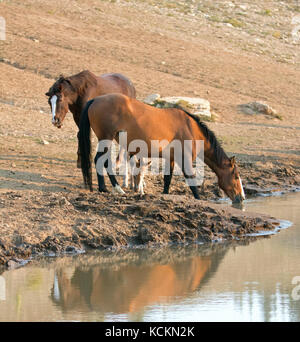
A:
(110, 114)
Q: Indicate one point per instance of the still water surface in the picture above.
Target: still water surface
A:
(216, 282)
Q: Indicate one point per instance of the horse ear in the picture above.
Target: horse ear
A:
(58, 85)
(145, 166)
(232, 161)
(48, 93)
(60, 81)
(67, 80)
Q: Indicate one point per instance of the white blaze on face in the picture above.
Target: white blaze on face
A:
(53, 107)
(243, 193)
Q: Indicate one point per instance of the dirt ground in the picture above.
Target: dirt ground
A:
(229, 52)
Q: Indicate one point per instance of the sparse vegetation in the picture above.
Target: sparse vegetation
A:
(215, 19)
(184, 104)
(206, 118)
(277, 34)
(267, 12)
(234, 22)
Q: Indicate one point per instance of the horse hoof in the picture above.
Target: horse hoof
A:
(118, 190)
(102, 190)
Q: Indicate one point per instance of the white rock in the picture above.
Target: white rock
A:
(196, 105)
(244, 7)
(257, 108)
(150, 99)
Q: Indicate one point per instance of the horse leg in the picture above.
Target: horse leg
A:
(187, 169)
(76, 117)
(140, 186)
(140, 178)
(169, 167)
(122, 157)
(116, 187)
(125, 177)
(113, 180)
(194, 189)
(78, 154)
(101, 183)
(131, 167)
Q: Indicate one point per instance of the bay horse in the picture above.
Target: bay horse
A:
(110, 114)
(73, 92)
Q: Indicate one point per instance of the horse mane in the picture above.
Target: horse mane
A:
(83, 80)
(55, 87)
(219, 153)
(79, 82)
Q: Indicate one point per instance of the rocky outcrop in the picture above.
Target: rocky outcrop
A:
(195, 105)
(258, 108)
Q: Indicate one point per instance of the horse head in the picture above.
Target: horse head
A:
(230, 181)
(61, 94)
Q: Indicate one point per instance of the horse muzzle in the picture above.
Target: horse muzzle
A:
(238, 199)
(56, 122)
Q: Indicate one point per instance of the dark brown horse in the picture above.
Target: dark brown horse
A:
(110, 114)
(73, 92)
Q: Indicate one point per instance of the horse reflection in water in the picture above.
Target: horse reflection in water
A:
(129, 288)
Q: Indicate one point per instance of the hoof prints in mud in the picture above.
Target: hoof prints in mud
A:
(61, 223)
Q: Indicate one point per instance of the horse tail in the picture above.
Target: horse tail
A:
(84, 137)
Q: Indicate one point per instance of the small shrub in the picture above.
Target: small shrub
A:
(277, 34)
(267, 12)
(234, 22)
(215, 19)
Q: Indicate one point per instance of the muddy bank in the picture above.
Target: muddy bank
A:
(45, 215)
(35, 224)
